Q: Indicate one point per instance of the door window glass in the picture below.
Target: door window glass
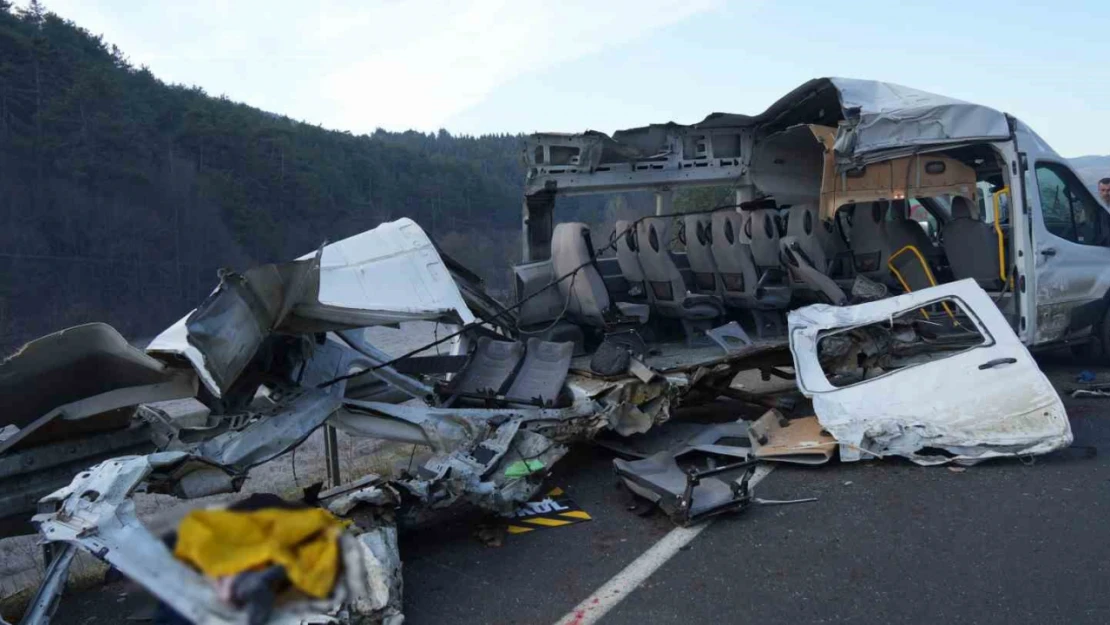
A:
(1068, 209)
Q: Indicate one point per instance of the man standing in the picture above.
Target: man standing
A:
(1104, 191)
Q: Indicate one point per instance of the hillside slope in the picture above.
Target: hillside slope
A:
(120, 196)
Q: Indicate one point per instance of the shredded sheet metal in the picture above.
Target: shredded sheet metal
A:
(881, 117)
(386, 275)
(892, 116)
(956, 407)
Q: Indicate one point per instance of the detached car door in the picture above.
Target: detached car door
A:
(985, 397)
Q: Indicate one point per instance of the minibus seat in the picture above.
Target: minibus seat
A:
(810, 235)
(902, 231)
(666, 288)
(971, 247)
(699, 251)
(870, 247)
(587, 298)
(733, 258)
(627, 258)
(763, 229)
(803, 271)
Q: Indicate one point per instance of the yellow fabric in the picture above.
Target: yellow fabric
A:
(225, 542)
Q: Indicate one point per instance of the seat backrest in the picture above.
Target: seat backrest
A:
(763, 228)
(810, 234)
(665, 286)
(489, 368)
(902, 231)
(733, 257)
(586, 296)
(870, 248)
(801, 270)
(910, 268)
(543, 371)
(627, 258)
(699, 251)
(837, 252)
(971, 246)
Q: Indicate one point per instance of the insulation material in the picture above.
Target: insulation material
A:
(797, 441)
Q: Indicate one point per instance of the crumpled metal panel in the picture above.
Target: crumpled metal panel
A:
(231, 323)
(884, 116)
(386, 275)
(989, 400)
(881, 117)
(54, 383)
(275, 432)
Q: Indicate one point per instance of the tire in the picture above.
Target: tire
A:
(1097, 350)
(1102, 331)
(1088, 353)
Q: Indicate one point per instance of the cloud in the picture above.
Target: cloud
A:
(361, 65)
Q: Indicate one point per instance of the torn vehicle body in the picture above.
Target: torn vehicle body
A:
(279, 351)
(69, 401)
(907, 188)
(383, 276)
(958, 401)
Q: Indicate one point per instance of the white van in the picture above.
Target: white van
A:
(835, 170)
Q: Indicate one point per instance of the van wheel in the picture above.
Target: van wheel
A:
(1097, 350)
(1088, 353)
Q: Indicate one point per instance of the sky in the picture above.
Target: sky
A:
(496, 66)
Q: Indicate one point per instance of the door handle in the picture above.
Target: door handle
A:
(997, 361)
(1049, 251)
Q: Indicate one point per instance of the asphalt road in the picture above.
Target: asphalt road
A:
(1002, 542)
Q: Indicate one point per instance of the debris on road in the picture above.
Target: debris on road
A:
(1083, 393)
(902, 376)
(684, 481)
(782, 502)
(1085, 376)
(799, 441)
(1091, 391)
(555, 509)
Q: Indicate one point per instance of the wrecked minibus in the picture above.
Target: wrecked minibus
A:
(839, 178)
(819, 272)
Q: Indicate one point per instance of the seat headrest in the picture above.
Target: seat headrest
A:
(627, 234)
(877, 212)
(961, 208)
(898, 210)
(573, 239)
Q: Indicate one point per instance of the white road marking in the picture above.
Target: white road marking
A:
(616, 589)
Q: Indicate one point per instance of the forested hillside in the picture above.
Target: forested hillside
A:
(120, 195)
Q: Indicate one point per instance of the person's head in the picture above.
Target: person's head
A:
(1104, 190)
